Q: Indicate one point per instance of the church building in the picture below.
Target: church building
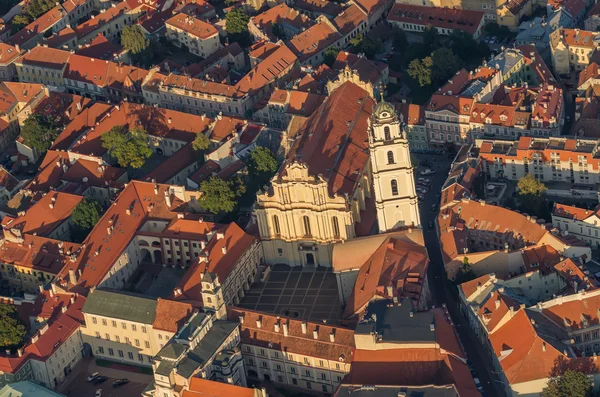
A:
(347, 174)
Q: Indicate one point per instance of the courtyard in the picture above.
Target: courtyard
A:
(304, 293)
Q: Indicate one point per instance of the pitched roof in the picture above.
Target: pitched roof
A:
(280, 14)
(8, 53)
(7, 180)
(100, 48)
(106, 16)
(333, 141)
(121, 305)
(92, 173)
(87, 70)
(296, 342)
(192, 26)
(313, 40)
(207, 388)
(349, 19)
(39, 26)
(171, 315)
(37, 253)
(447, 18)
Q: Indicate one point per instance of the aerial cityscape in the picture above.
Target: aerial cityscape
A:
(300, 198)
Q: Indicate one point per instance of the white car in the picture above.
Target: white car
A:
(98, 393)
(93, 376)
(427, 172)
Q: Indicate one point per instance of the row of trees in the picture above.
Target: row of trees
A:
(31, 11)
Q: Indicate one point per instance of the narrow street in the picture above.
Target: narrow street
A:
(439, 285)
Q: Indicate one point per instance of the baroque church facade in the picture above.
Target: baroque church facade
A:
(347, 174)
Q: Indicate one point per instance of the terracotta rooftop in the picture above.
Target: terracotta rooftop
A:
(87, 70)
(314, 40)
(7, 180)
(39, 26)
(96, 22)
(192, 26)
(8, 53)
(171, 315)
(207, 388)
(349, 19)
(100, 48)
(37, 253)
(281, 14)
(296, 342)
(447, 18)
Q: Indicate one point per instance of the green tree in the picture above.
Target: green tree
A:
(262, 164)
(570, 384)
(12, 330)
(465, 272)
(431, 40)
(278, 31)
(129, 148)
(19, 22)
(220, 195)
(370, 46)
(444, 65)
(531, 195)
(421, 70)
(84, 217)
(330, 55)
(133, 39)
(39, 132)
(400, 40)
(236, 24)
(201, 142)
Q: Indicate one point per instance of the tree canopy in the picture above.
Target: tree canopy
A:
(531, 196)
(30, 12)
(221, 195)
(421, 70)
(262, 161)
(133, 39)
(236, 24)
(444, 65)
(330, 55)
(129, 148)
(201, 142)
(570, 384)
(39, 132)
(368, 45)
(84, 217)
(12, 330)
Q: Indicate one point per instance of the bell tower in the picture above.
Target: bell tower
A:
(393, 177)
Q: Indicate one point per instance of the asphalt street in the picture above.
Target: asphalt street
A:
(440, 287)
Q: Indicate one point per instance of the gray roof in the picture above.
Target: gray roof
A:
(211, 342)
(165, 368)
(121, 305)
(27, 389)
(172, 350)
(395, 324)
(187, 367)
(395, 391)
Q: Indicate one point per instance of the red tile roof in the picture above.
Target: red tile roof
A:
(295, 342)
(7, 180)
(104, 17)
(446, 18)
(280, 14)
(87, 70)
(207, 388)
(37, 253)
(39, 26)
(8, 53)
(177, 162)
(193, 26)
(171, 315)
(314, 40)
(92, 173)
(333, 141)
(349, 19)
(100, 48)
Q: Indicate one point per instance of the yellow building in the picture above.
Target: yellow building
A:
(43, 65)
(199, 37)
(572, 49)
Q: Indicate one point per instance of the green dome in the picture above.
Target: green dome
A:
(384, 110)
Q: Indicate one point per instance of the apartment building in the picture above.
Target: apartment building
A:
(31, 35)
(33, 261)
(555, 159)
(579, 222)
(198, 37)
(43, 65)
(204, 97)
(289, 21)
(310, 45)
(130, 328)
(417, 18)
(8, 57)
(223, 272)
(109, 22)
(350, 22)
(204, 347)
(572, 49)
(310, 356)
(412, 118)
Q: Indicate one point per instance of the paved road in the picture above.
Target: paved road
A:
(439, 284)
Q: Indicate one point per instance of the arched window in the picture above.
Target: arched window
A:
(390, 155)
(276, 224)
(386, 132)
(394, 187)
(307, 232)
(336, 227)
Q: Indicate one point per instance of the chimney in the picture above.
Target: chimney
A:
(41, 287)
(53, 287)
(285, 329)
(331, 337)
(258, 323)
(315, 334)
(72, 300)
(432, 327)
(63, 309)
(224, 249)
(276, 327)
(44, 329)
(263, 392)
(220, 236)
(304, 327)
(167, 199)
(72, 277)
(390, 290)
(241, 319)
(52, 293)
(20, 352)
(155, 189)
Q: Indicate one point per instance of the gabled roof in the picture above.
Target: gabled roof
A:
(87, 70)
(314, 40)
(171, 315)
(207, 388)
(121, 305)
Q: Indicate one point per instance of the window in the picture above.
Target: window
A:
(294, 381)
(307, 372)
(144, 329)
(123, 325)
(94, 320)
(386, 133)
(324, 388)
(264, 364)
(140, 357)
(147, 344)
(323, 376)
(130, 355)
(101, 349)
(394, 184)
(308, 385)
(114, 323)
(133, 327)
(307, 232)
(160, 336)
(276, 224)
(262, 352)
(120, 353)
(293, 370)
(107, 336)
(137, 342)
(390, 157)
(111, 352)
(336, 227)
(103, 321)
(117, 338)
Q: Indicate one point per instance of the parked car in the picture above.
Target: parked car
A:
(478, 384)
(99, 379)
(93, 376)
(98, 393)
(120, 382)
(427, 171)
